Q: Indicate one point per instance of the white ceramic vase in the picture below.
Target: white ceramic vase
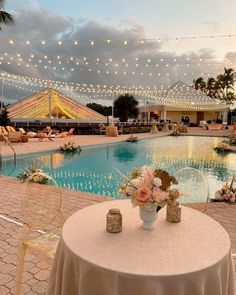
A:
(148, 217)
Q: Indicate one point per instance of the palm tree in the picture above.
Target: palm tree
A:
(226, 82)
(221, 88)
(126, 106)
(5, 17)
(199, 84)
(227, 79)
(212, 87)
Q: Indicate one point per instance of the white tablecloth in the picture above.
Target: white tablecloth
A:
(188, 258)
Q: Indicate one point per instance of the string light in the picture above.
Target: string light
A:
(178, 95)
(125, 42)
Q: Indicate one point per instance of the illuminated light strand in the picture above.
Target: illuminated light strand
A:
(125, 42)
(77, 86)
(109, 60)
(88, 68)
(174, 97)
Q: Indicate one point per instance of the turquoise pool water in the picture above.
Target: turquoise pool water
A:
(94, 169)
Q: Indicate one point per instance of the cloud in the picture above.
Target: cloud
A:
(213, 26)
(147, 64)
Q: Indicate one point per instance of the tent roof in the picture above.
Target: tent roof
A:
(51, 103)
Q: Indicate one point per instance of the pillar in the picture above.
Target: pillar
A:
(225, 116)
(163, 115)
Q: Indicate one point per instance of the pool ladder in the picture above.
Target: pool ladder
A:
(14, 152)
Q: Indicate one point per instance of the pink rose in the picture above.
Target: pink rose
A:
(159, 195)
(143, 194)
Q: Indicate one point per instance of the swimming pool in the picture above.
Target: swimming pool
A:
(94, 169)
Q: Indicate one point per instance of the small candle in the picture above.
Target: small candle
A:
(114, 221)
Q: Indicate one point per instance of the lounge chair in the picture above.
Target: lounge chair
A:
(10, 129)
(202, 123)
(71, 131)
(42, 135)
(15, 137)
(22, 130)
(4, 131)
(102, 129)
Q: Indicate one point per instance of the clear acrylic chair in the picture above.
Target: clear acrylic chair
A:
(194, 186)
(42, 220)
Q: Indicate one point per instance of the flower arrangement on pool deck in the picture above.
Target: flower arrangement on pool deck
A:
(223, 147)
(70, 147)
(232, 138)
(227, 193)
(175, 133)
(132, 138)
(147, 187)
(39, 177)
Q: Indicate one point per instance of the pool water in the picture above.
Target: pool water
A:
(94, 170)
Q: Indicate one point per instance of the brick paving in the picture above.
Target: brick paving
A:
(37, 268)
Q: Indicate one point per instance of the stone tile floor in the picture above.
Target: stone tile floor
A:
(37, 268)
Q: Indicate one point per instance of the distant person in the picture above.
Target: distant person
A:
(186, 120)
(182, 120)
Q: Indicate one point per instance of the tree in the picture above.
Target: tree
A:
(5, 17)
(126, 106)
(199, 84)
(104, 110)
(4, 118)
(221, 88)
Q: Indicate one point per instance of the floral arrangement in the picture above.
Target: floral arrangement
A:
(70, 147)
(232, 138)
(223, 147)
(147, 187)
(227, 193)
(102, 126)
(132, 138)
(39, 177)
(175, 132)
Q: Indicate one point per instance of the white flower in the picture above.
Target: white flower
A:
(136, 182)
(130, 190)
(157, 181)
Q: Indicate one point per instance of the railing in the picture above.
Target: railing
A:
(8, 142)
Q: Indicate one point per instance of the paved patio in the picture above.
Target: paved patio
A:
(34, 146)
(37, 270)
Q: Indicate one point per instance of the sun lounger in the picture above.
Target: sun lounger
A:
(15, 137)
(71, 131)
(22, 130)
(10, 129)
(42, 135)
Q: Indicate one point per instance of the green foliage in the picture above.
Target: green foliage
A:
(138, 129)
(4, 118)
(104, 110)
(132, 139)
(126, 106)
(70, 147)
(221, 87)
(5, 17)
(39, 177)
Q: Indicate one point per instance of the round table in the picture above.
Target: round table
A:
(191, 257)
